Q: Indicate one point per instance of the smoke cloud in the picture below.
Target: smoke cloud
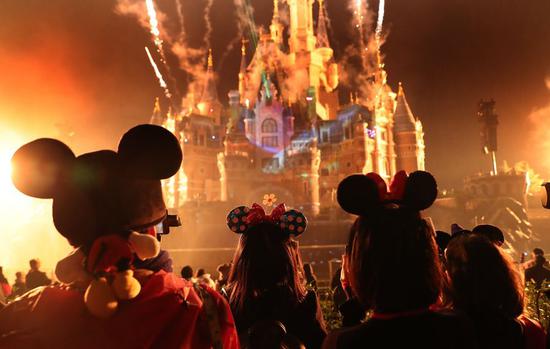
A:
(540, 134)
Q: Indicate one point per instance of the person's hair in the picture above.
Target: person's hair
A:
(538, 252)
(200, 272)
(265, 258)
(540, 260)
(394, 263)
(308, 272)
(493, 233)
(187, 272)
(482, 277)
(33, 263)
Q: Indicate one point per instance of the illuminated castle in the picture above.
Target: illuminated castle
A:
(285, 131)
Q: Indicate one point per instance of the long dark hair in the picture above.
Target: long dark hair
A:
(265, 258)
(394, 263)
(482, 277)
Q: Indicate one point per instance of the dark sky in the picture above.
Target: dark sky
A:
(69, 65)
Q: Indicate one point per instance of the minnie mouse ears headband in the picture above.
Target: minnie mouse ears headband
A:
(242, 218)
(359, 194)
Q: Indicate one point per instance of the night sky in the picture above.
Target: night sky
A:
(76, 66)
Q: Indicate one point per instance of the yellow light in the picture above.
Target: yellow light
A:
(27, 229)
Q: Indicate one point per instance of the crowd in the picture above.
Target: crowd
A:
(401, 284)
(34, 278)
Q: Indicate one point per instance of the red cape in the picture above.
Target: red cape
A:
(168, 313)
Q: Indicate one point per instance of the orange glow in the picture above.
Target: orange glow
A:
(27, 230)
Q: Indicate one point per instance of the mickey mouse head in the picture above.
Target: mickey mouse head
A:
(103, 192)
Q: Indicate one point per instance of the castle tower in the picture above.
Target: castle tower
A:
(408, 135)
(301, 26)
(322, 34)
(242, 72)
(276, 28)
(209, 104)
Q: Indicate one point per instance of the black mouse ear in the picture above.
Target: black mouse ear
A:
(150, 152)
(357, 194)
(236, 219)
(293, 222)
(39, 167)
(420, 190)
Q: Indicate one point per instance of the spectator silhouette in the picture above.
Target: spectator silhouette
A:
(19, 287)
(538, 272)
(265, 281)
(187, 273)
(393, 267)
(484, 284)
(36, 277)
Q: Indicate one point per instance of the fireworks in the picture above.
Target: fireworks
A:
(158, 75)
(154, 23)
(380, 21)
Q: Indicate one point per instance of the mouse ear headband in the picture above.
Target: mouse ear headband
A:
(242, 218)
(360, 194)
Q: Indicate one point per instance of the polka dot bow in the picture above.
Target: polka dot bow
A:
(291, 222)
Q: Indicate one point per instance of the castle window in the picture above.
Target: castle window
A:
(269, 126)
(347, 133)
(270, 141)
(324, 136)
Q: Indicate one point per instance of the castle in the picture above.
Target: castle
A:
(285, 131)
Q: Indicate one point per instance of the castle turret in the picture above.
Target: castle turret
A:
(209, 104)
(242, 72)
(409, 136)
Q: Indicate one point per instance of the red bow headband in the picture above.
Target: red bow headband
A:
(291, 222)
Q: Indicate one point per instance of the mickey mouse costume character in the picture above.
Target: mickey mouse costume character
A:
(118, 290)
(266, 285)
(392, 266)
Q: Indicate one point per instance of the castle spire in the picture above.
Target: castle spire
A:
(403, 119)
(322, 35)
(210, 60)
(209, 95)
(242, 71)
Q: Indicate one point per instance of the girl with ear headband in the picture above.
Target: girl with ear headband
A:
(393, 268)
(265, 283)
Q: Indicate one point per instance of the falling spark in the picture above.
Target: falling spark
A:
(380, 21)
(158, 74)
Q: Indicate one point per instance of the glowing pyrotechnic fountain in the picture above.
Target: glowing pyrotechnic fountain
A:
(27, 228)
